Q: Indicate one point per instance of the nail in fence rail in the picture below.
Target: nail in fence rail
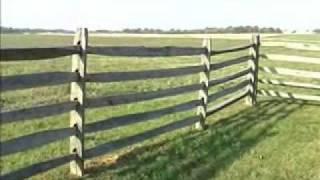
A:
(78, 94)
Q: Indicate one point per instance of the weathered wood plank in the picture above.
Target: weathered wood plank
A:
(223, 51)
(78, 94)
(288, 95)
(204, 81)
(229, 78)
(145, 51)
(37, 168)
(34, 140)
(121, 143)
(293, 59)
(291, 72)
(289, 83)
(228, 91)
(126, 120)
(231, 62)
(227, 103)
(142, 75)
(37, 53)
(36, 112)
(137, 97)
(36, 80)
(253, 64)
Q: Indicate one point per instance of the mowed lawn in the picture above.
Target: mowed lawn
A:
(276, 139)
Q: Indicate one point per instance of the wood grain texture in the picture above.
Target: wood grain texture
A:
(204, 81)
(23, 54)
(253, 64)
(78, 94)
(26, 81)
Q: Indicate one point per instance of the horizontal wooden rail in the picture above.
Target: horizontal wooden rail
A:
(223, 51)
(291, 72)
(227, 103)
(138, 117)
(121, 143)
(288, 95)
(231, 62)
(229, 78)
(38, 168)
(289, 84)
(293, 59)
(228, 91)
(137, 97)
(36, 80)
(37, 53)
(145, 51)
(36, 112)
(290, 45)
(142, 75)
(34, 140)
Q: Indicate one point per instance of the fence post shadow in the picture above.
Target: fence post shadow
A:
(210, 143)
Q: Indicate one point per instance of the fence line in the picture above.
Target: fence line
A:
(78, 100)
(294, 59)
(145, 51)
(289, 83)
(291, 72)
(37, 53)
(140, 75)
(298, 46)
(288, 95)
(37, 80)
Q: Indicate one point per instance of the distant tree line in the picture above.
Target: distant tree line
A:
(316, 31)
(230, 29)
(9, 30)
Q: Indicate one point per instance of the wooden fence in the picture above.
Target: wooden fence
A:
(276, 71)
(78, 78)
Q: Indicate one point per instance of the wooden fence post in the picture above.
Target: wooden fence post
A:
(204, 80)
(254, 66)
(78, 94)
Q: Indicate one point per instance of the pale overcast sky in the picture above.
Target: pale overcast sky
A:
(164, 14)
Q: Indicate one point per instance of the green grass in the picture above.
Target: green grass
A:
(275, 140)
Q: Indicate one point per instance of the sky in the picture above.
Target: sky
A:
(163, 14)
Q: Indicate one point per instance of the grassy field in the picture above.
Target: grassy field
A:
(277, 139)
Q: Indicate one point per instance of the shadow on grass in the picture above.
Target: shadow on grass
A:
(201, 155)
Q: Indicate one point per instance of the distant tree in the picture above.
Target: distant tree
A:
(316, 31)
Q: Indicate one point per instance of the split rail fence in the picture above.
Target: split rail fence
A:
(78, 103)
(302, 75)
